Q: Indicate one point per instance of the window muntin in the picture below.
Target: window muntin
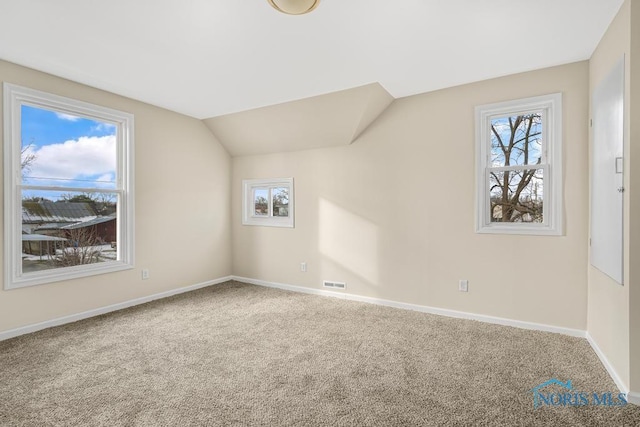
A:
(268, 202)
(69, 187)
(519, 166)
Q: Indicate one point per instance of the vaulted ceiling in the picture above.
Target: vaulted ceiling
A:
(211, 58)
(332, 119)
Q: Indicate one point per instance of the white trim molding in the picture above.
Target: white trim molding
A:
(632, 397)
(607, 364)
(107, 309)
(421, 308)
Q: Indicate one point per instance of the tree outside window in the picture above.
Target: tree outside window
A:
(519, 166)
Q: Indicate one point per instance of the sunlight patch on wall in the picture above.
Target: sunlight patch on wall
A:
(349, 240)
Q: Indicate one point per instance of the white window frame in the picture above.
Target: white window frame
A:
(249, 186)
(16, 96)
(551, 107)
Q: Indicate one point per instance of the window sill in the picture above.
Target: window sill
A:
(531, 230)
(68, 273)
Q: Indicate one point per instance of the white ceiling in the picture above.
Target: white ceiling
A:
(207, 58)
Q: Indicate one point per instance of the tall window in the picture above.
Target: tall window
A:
(68, 188)
(268, 202)
(519, 166)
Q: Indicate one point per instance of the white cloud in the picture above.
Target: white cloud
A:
(87, 157)
(104, 127)
(67, 117)
(107, 177)
(106, 181)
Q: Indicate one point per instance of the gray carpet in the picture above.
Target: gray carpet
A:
(237, 354)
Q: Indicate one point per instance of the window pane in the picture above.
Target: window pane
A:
(65, 150)
(261, 202)
(281, 201)
(516, 196)
(64, 229)
(516, 140)
(268, 202)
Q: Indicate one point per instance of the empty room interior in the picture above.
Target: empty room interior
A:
(320, 212)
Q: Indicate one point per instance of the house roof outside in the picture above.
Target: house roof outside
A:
(95, 221)
(56, 212)
(41, 238)
(50, 226)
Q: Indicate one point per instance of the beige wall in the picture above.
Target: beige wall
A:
(182, 211)
(608, 310)
(393, 214)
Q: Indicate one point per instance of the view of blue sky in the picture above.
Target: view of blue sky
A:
(69, 151)
(503, 129)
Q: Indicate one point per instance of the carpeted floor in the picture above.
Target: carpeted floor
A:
(237, 354)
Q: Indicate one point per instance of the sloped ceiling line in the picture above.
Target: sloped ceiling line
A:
(377, 103)
(329, 120)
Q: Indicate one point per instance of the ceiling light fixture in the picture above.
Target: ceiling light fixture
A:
(294, 7)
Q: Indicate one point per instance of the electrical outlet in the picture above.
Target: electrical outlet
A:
(145, 273)
(303, 267)
(463, 286)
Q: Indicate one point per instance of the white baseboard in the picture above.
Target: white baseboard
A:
(632, 397)
(103, 310)
(421, 308)
(607, 365)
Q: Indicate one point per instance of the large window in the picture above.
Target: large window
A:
(268, 202)
(519, 166)
(68, 188)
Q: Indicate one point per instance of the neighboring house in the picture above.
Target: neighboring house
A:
(280, 209)
(42, 220)
(36, 244)
(102, 227)
(40, 217)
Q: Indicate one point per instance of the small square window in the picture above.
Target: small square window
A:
(268, 202)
